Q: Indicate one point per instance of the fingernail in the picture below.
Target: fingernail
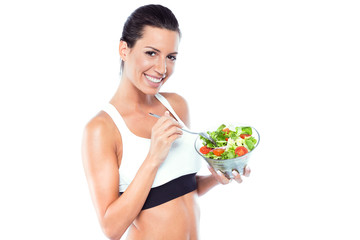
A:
(247, 171)
(218, 172)
(235, 173)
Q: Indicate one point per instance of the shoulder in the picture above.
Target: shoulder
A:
(179, 104)
(99, 125)
(99, 132)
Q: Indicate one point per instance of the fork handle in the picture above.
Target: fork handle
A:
(189, 131)
(157, 116)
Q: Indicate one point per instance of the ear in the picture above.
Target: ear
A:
(123, 50)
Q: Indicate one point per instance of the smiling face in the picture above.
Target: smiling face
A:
(151, 61)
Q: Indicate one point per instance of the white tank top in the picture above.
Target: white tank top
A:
(181, 160)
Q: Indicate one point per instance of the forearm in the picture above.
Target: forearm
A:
(122, 212)
(205, 183)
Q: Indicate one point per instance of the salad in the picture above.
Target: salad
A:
(229, 143)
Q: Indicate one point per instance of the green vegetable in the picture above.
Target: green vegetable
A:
(231, 140)
(246, 130)
(250, 142)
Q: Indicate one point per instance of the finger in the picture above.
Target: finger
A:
(171, 138)
(247, 171)
(166, 128)
(223, 178)
(237, 176)
(174, 130)
(172, 133)
(163, 118)
(213, 172)
(218, 176)
(168, 122)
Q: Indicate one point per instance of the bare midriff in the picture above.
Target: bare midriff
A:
(177, 219)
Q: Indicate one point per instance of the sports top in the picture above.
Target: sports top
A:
(175, 176)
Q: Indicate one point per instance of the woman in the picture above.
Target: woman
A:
(151, 190)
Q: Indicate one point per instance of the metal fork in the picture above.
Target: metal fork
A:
(203, 134)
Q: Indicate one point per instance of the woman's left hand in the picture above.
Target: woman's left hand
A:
(221, 178)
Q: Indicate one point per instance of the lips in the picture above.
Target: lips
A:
(154, 82)
(153, 79)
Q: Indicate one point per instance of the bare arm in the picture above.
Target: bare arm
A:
(100, 160)
(205, 183)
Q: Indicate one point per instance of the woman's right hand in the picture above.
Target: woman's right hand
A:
(165, 131)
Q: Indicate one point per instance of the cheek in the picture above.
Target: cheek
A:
(170, 67)
(143, 64)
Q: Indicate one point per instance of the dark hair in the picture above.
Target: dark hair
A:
(148, 15)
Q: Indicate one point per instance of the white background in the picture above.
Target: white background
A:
(289, 68)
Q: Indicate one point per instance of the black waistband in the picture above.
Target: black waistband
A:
(170, 190)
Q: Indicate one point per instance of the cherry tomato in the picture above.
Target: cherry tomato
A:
(226, 139)
(218, 151)
(243, 136)
(241, 151)
(205, 149)
(227, 130)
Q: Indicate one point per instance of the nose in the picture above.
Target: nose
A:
(161, 67)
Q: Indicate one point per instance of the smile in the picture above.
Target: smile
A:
(153, 79)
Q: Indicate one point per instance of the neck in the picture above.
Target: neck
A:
(129, 96)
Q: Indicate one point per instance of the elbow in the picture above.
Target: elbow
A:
(113, 225)
(112, 232)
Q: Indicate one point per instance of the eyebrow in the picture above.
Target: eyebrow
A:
(157, 50)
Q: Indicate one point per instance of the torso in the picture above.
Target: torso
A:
(176, 219)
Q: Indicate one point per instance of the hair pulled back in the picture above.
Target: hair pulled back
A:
(148, 15)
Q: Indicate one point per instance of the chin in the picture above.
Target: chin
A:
(151, 91)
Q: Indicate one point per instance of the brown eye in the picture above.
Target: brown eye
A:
(151, 53)
(172, 58)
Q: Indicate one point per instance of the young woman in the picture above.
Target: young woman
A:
(141, 170)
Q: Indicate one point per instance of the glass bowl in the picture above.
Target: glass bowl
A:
(226, 166)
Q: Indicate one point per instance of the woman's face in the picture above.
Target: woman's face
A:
(151, 61)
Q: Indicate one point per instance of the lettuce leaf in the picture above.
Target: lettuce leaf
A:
(250, 143)
(246, 130)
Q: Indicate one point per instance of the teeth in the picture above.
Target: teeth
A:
(155, 80)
